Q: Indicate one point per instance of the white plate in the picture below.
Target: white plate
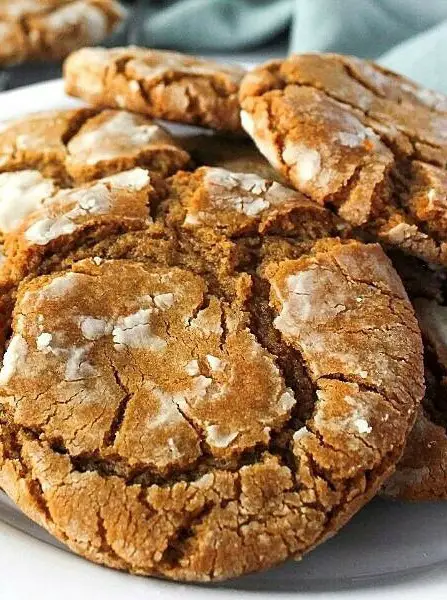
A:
(390, 549)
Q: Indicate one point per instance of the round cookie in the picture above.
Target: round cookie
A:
(117, 203)
(422, 472)
(52, 221)
(361, 139)
(172, 411)
(161, 84)
(85, 144)
(51, 29)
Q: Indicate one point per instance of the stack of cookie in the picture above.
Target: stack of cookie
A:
(210, 362)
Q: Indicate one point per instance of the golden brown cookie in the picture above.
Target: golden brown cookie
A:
(422, 472)
(113, 204)
(161, 84)
(361, 139)
(85, 144)
(189, 392)
(51, 29)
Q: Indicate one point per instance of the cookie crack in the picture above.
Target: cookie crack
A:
(289, 361)
(364, 83)
(364, 387)
(33, 483)
(73, 127)
(117, 421)
(434, 402)
(105, 546)
(176, 547)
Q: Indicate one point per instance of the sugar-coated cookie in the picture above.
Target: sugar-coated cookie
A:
(369, 143)
(161, 84)
(84, 144)
(198, 382)
(51, 29)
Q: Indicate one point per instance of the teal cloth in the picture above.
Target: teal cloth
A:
(221, 25)
(409, 36)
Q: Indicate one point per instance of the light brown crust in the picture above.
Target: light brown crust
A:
(350, 134)
(202, 402)
(51, 29)
(161, 84)
(237, 204)
(84, 144)
(121, 202)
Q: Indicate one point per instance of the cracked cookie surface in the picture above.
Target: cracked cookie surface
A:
(161, 84)
(361, 139)
(51, 29)
(175, 411)
(84, 144)
(422, 472)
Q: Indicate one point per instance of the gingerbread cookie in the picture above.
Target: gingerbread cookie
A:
(161, 84)
(352, 135)
(51, 29)
(422, 472)
(112, 204)
(85, 144)
(172, 411)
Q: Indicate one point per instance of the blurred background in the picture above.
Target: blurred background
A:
(409, 36)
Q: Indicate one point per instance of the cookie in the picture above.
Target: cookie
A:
(237, 204)
(84, 144)
(363, 140)
(112, 204)
(422, 472)
(165, 85)
(51, 29)
(198, 400)
(121, 202)
(224, 151)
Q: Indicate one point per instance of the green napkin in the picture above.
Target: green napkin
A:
(220, 25)
(409, 36)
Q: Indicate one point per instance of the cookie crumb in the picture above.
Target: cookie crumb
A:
(216, 364)
(362, 425)
(43, 341)
(192, 368)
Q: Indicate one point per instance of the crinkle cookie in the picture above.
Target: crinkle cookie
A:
(189, 392)
(422, 472)
(363, 140)
(50, 216)
(51, 29)
(161, 84)
(84, 144)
